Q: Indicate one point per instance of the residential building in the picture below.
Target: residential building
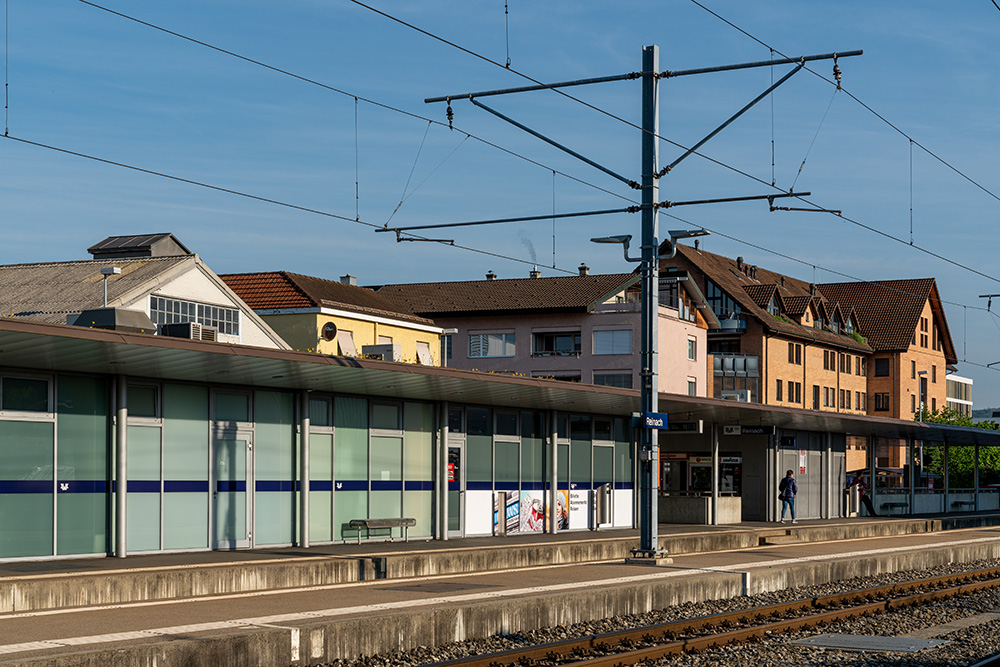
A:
(142, 283)
(584, 328)
(329, 317)
(905, 324)
(779, 341)
(958, 394)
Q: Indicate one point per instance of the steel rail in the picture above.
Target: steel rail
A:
(864, 601)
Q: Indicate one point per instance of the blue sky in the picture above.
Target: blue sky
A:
(81, 79)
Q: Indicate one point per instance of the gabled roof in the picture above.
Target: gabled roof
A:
(748, 285)
(280, 290)
(510, 296)
(888, 311)
(48, 292)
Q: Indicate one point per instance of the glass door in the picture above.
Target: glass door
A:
(456, 489)
(231, 497)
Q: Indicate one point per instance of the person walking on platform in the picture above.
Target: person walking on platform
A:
(787, 488)
(859, 482)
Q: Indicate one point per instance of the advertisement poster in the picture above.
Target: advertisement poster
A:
(532, 512)
(512, 511)
(562, 510)
(578, 505)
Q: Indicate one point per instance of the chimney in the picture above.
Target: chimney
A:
(349, 280)
(696, 244)
(491, 276)
(584, 270)
(535, 273)
(782, 281)
(739, 263)
(812, 289)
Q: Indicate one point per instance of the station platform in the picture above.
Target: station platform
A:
(290, 606)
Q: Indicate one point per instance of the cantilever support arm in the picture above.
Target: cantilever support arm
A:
(632, 184)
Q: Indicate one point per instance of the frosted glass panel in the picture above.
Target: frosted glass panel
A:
(232, 407)
(83, 429)
(185, 520)
(231, 496)
(419, 505)
(320, 511)
(274, 466)
(349, 505)
(143, 497)
(26, 470)
(418, 442)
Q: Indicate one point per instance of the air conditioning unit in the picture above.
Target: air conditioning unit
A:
(383, 352)
(191, 330)
(741, 395)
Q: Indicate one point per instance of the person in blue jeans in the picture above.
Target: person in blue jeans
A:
(787, 488)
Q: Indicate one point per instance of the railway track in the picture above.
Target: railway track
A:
(637, 645)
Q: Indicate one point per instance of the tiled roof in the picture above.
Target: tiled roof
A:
(48, 292)
(276, 290)
(761, 294)
(743, 282)
(515, 295)
(888, 311)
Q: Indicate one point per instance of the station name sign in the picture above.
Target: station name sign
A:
(736, 429)
(655, 420)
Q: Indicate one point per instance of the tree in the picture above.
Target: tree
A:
(961, 460)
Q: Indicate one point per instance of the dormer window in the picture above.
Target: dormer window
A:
(772, 307)
(834, 324)
(849, 326)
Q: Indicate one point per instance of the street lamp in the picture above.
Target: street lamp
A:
(648, 458)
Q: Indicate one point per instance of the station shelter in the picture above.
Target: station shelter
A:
(115, 443)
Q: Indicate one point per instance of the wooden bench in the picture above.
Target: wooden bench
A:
(892, 506)
(964, 503)
(380, 524)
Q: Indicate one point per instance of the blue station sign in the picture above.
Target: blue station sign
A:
(655, 420)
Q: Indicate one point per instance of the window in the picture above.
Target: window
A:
(795, 354)
(815, 397)
(857, 401)
(621, 380)
(447, 346)
(777, 390)
(424, 353)
(913, 402)
(165, 310)
(692, 387)
(933, 373)
(721, 303)
(847, 398)
(881, 402)
(933, 404)
(857, 365)
(24, 394)
(384, 340)
(798, 392)
(791, 391)
(843, 360)
(616, 341)
(345, 339)
(772, 307)
(142, 401)
(491, 345)
(849, 326)
(798, 355)
(562, 344)
(864, 366)
(913, 369)
(881, 368)
(791, 353)
(692, 349)
(564, 376)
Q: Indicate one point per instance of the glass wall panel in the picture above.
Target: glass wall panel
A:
(186, 494)
(319, 412)
(580, 455)
(418, 446)
(604, 465)
(507, 423)
(507, 465)
(385, 416)
(602, 429)
(232, 407)
(142, 401)
(143, 490)
(532, 452)
(350, 464)
(320, 487)
(24, 394)
(387, 476)
(274, 468)
(82, 466)
(479, 421)
(420, 506)
(989, 478)
(25, 489)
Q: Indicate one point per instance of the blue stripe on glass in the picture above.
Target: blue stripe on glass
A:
(227, 486)
(272, 485)
(143, 486)
(351, 485)
(186, 486)
(479, 486)
(25, 486)
(533, 486)
(82, 486)
(382, 485)
(320, 485)
(419, 486)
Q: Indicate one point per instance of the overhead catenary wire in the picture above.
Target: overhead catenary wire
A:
(604, 112)
(381, 105)
(247, 195)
